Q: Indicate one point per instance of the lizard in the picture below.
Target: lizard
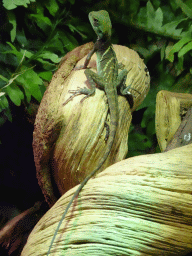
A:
(108, 79)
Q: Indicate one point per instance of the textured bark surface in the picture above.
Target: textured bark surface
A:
(49, 121)
(139, 206)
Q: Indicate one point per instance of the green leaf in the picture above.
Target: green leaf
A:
(154, 18)
(42, 21)
(80, 29)
(4, 78)
(12, 4)
(55, 44)
(52, 7)
(35, 91)
(47, 65)
(14, 51)
(12, 20)
(158, 17)
(31, 81)
(170, 28)
(47, 75)
(21, 38)
(4, 102)
(68, 40)
(51, 56)
(7, 113)
(150, 14)
(152, 21)
(179, 65)
(26, 53)
(185, 49)
(15, 94)
(177, 47)
(185, 8)
(162, 51)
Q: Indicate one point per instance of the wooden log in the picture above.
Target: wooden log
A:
(69, 141)
(139, 206)
(183, 135)
(170, 109)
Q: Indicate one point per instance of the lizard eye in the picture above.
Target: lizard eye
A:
(96, 22)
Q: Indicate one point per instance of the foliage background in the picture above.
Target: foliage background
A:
(31, 47)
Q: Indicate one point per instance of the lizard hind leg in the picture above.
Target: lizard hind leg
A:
(125, 90)
(129, 96)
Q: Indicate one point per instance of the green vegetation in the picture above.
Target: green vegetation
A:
(33, 43)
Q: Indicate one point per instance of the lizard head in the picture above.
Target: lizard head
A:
(101, 23)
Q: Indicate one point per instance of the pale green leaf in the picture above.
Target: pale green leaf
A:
(170, 28)
(177, 47)
(51, 56)
(185, 49)
(158, 17)
(150, 14)
(12, 4)
(26, 53)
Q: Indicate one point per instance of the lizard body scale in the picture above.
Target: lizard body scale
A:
(106, 78)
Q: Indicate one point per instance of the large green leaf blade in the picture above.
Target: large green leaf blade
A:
(185, 49)
(15, 94)
(12, 20)
(177, 47)
(31, 81)
(12, 4)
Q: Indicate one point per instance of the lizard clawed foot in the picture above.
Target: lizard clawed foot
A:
(79, 67)
(74, 94)
(127, 92)
(135, 91)
(77, 92)
(121, 65)
(107, 131)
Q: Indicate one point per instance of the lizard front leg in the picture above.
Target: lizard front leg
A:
(87, 60)
(93, 79)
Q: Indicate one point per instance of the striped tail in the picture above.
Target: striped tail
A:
(112, 133)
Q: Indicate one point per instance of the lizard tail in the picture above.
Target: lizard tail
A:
(113, 128)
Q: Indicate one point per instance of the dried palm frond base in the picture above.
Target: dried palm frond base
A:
(171, 107)
(139, 206)
(69, 140)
